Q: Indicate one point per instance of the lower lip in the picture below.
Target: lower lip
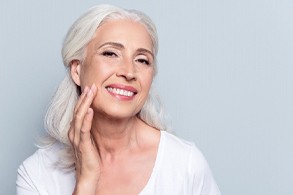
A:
(121, 97)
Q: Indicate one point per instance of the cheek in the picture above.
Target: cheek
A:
(147, 81)
(95, 73)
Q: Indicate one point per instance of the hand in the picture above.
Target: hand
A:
(86, 152)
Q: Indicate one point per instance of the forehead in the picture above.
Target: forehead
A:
(124, 31)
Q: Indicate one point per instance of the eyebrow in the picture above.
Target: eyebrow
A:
(119, 45)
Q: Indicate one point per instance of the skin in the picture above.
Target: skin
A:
(115, 151)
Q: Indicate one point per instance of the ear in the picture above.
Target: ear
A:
(75, 71)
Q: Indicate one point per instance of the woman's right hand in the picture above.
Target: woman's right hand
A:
(86, 152)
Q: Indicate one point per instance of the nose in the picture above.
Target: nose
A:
(127, 70)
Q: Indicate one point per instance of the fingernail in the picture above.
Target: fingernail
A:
(85, 89)
(90, 92)
(94, 88)
(89, 110)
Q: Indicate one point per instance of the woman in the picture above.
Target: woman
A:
(105, 135)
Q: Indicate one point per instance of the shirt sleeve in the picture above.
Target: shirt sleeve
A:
(24, 183)
(28, 176)
(203, 180)
(39, 175)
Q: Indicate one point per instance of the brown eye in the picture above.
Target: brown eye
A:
(143, 61)
(109, 54)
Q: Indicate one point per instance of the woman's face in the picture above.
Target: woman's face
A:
(120, 62)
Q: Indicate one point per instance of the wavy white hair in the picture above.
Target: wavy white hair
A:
(60, 111)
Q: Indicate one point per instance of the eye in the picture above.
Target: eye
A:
(109, 54)
(143, 61)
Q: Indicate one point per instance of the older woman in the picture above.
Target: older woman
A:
(105, 135)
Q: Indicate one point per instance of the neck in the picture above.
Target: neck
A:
(115, 136)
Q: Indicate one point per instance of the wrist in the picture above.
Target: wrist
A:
(85, 186)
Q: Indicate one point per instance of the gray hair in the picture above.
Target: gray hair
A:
(60, 111)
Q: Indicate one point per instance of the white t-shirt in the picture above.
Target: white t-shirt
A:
(180, 169)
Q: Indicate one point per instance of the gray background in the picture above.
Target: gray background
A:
(225, 77)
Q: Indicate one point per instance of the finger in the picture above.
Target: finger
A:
(81, 112)
(85, 132)
(81, 97)
(94, 89)
(71, 134)
(71, 137)
(85, 101)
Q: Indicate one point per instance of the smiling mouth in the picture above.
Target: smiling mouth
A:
(122, 92)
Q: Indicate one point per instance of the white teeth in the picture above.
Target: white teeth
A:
(120, 91)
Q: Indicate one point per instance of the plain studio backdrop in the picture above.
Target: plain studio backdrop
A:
(225, 78)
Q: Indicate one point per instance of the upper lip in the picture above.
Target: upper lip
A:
(124, 87)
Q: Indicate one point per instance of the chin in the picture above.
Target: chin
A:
(117, 113)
